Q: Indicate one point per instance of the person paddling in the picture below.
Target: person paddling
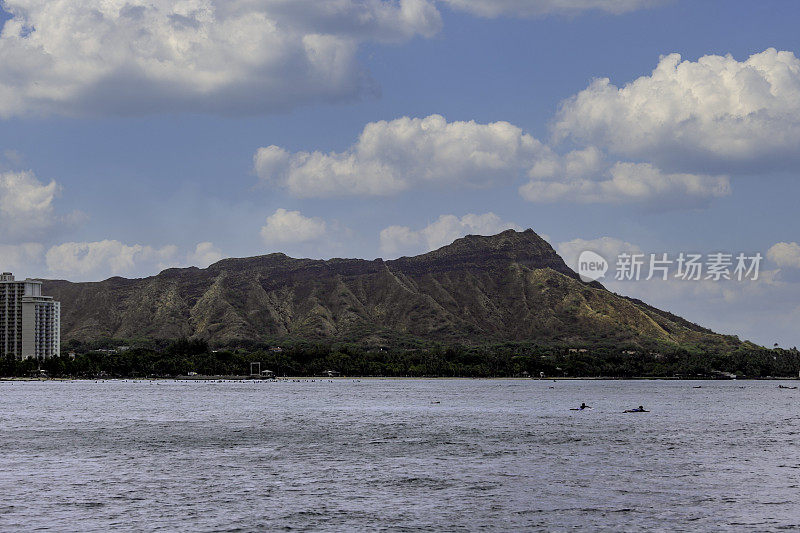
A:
(581, 408)
(639, 409)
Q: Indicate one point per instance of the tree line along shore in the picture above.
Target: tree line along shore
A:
(183, 357)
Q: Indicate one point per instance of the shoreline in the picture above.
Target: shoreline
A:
(387, 378)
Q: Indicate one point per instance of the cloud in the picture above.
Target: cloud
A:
(89, 261)
(608, 248)
(27, 208)
(144, 56)
(538, 8)
(785, 254)
(715, 112)
(396, 240)
(26, 204)
(576, 164)
(289, 227)
(625, 182)
(204, 254)
(94, 260)
(393, 156)
(23, 256)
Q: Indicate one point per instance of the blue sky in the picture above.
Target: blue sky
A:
(136, 136)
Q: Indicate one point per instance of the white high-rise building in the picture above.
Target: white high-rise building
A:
(30, 324)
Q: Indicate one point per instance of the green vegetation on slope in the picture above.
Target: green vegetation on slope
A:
(478, 290)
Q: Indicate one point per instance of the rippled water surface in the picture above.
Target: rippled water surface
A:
(399, 455)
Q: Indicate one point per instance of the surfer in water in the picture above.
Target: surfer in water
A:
(639, 409)
(581, 408)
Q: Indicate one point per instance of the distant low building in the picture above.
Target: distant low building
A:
(267, 374)
(30, 324)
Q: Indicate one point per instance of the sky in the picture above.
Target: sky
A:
(141, 135)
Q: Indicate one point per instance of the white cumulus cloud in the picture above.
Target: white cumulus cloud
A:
(537, 8)
(413, 153)
(715, 111)
(204, 254)
(289, 227)
(138, 56)
(26, 204)
(397, 240)
(393, 156)
(625, 182)
(785, 254)
(99, 259)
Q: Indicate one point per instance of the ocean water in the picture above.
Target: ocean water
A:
(399, 455)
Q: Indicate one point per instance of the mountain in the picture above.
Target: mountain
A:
(508, 287)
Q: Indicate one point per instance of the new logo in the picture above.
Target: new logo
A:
(591, 266)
